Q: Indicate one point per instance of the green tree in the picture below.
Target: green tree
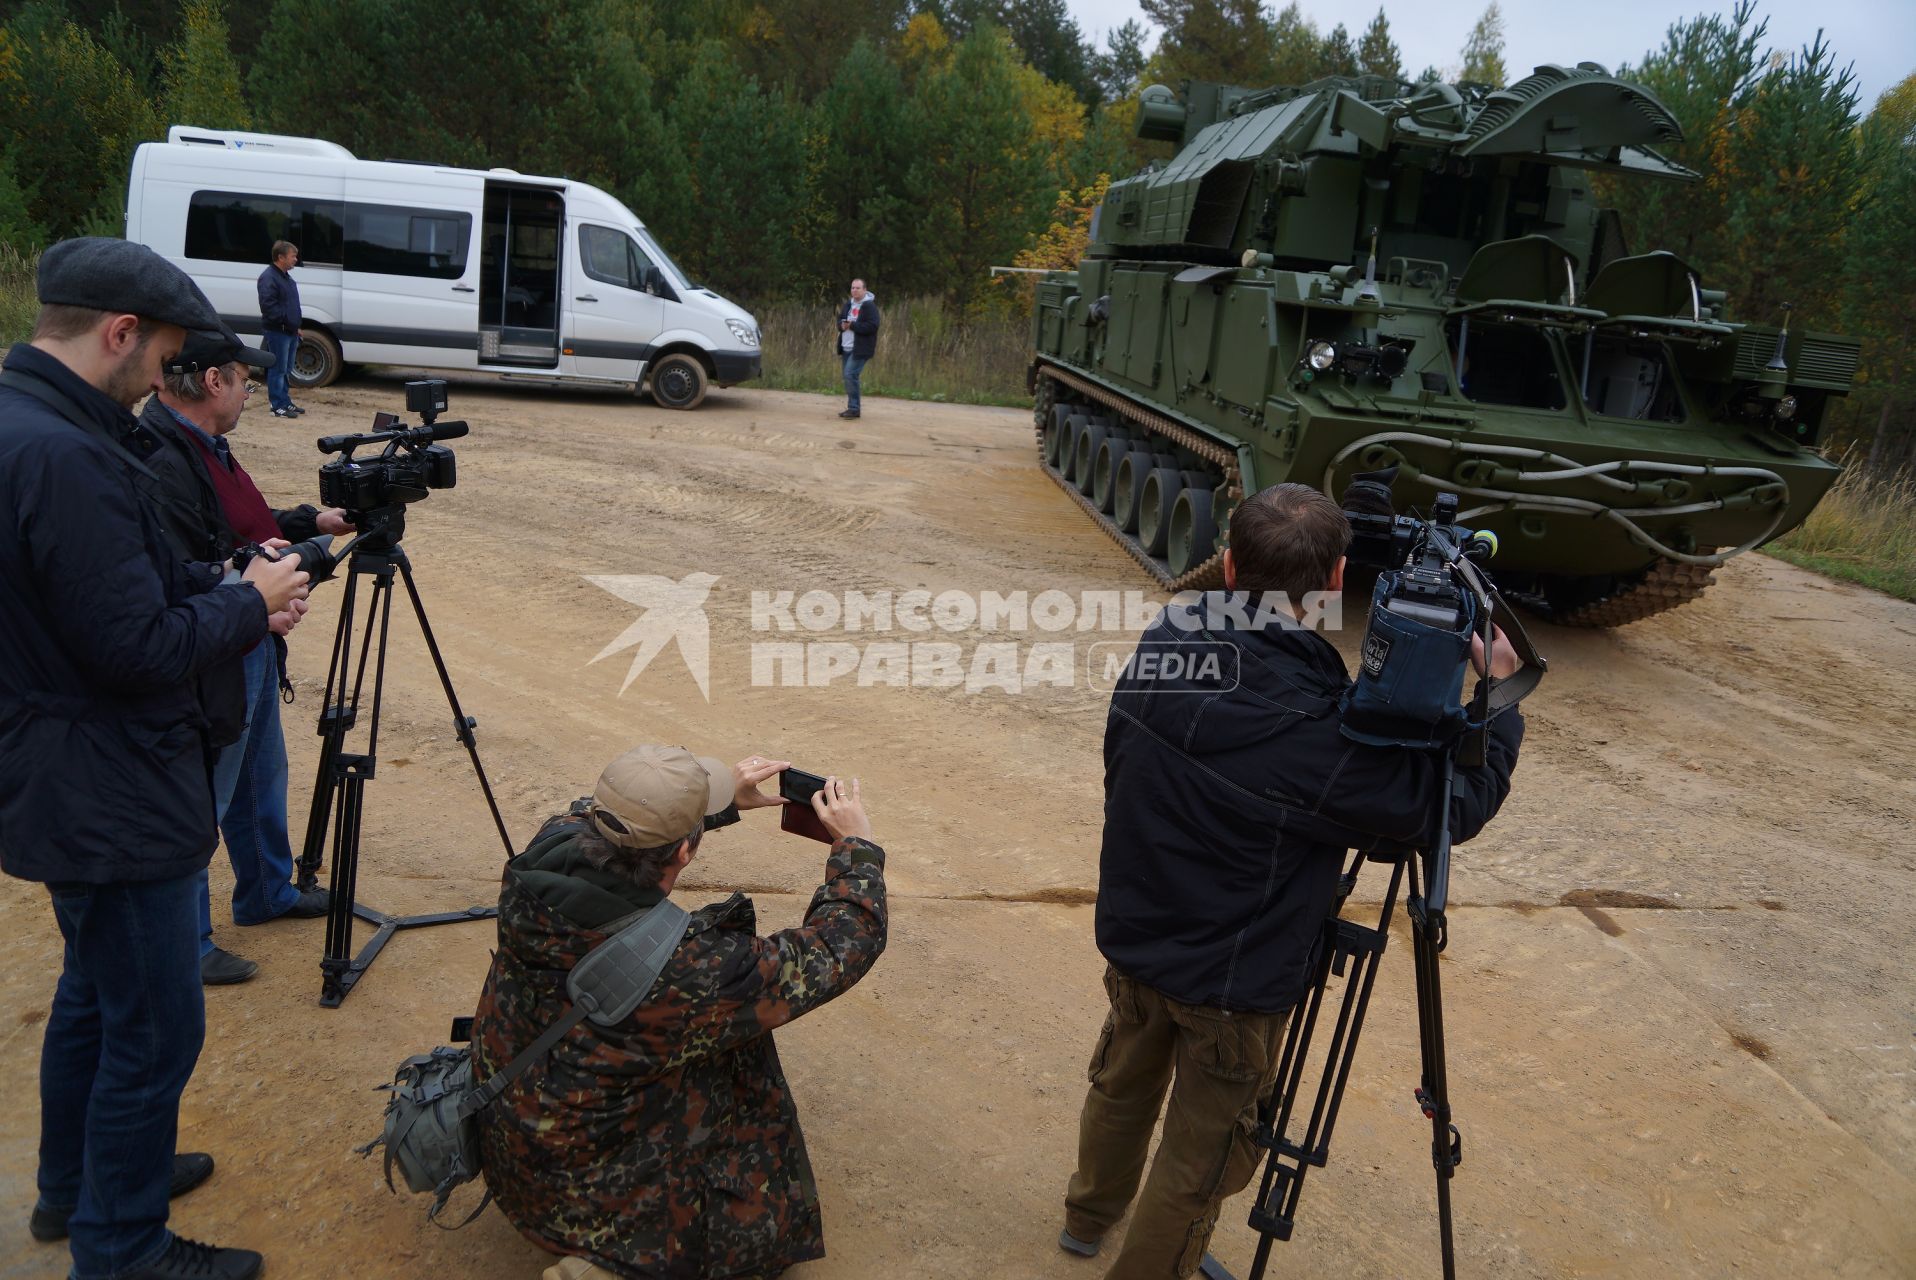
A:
(1339, 55)
(1050, 41)
(1377, 53)
(860, 217)
(1704, 72)
(1483, 52)
(1223, 40)
(1879, 292)
(981, 186)
(1297, 50)
(1791, 174)
(18, 228)
(744, 150)
(1117, 69)
(202, 78)
(70, 111)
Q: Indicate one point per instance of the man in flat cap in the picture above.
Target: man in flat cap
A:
(105, 779)
(208, 506)
(667, 1145)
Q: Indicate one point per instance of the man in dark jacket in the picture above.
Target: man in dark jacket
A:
(209, 506)
(105, 786)
(1231, 797)
(667, 1146)
(279, 318)
(857, 340)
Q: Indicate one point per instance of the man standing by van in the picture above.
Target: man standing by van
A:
(279, 319)
(857, 340)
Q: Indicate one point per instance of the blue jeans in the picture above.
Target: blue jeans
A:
(249, 795)
(854, 365)
(125, 1030)
(282, 345)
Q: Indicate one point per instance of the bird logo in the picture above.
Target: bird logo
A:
(673, 611)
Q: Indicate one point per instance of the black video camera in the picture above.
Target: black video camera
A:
(1432, 596)
(406, 470)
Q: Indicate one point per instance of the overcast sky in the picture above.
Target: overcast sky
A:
(1879, 36)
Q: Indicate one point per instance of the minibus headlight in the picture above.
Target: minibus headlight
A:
(744, 332)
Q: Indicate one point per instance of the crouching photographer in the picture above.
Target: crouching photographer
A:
(1231, 797)
(666, 1143)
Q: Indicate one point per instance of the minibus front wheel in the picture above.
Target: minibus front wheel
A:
(316, 361)
(678, 381)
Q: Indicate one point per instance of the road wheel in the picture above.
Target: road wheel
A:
(316, 361)
(1161, 489)
(1064, 429)
(1090, 440)
(1193, 530)
(678, 382)
(1104, 473)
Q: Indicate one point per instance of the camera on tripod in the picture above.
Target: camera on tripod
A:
(1431, 597)
(409, 467)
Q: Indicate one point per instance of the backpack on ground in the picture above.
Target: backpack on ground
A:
(432, 1131)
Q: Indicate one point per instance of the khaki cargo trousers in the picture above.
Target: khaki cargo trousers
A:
(1218, 1066)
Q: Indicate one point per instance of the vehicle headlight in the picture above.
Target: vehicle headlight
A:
(1322, 355)
(744, 332)
(1786, 408)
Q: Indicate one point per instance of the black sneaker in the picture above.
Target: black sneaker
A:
(190, 1168)
(221, 968)
(284, 413)
(189, 1260)
(295, 410)
(311, 902)
(849, 413)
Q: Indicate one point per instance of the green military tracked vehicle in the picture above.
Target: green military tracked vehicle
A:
(1358, 273)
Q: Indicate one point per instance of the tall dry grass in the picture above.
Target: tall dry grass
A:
(925, 352)
(18, 305)
(1864, 530)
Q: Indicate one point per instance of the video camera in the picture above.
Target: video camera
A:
(1432, 595)
(374, 493)
(407, 470)
(409, 467)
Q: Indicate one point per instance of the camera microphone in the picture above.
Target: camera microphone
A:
(1482, 545)
(446, 430)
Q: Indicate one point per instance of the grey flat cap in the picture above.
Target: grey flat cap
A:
(205, 351)
(124, 278)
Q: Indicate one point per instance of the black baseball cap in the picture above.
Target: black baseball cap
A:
(119, 276)
(209, 349)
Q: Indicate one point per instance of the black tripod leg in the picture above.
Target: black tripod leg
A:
(462, 724)
(335, 718)
(1433, 1095)
(1345, 943)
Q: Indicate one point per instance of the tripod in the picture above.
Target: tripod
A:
(1344, 943)
(339, 791)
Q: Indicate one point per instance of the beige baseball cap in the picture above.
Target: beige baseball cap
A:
(653, 796)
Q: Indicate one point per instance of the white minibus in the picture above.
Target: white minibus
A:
(430, 267)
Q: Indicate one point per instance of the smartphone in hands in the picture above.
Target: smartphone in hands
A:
(797, 787)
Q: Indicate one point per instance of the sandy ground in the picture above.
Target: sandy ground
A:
(1678, 986)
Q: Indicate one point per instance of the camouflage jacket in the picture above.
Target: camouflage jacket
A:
(667, 1146)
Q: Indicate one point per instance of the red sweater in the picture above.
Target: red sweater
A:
(240, 498)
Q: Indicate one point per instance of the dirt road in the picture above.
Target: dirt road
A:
(1679, 1001)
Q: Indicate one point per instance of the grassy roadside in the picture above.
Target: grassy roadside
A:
(1863, 531)
(924, 353)
(17, 303)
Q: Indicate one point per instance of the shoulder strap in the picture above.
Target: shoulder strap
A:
(606, 986)
(62, 404)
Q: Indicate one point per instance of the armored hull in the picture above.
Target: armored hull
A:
(1355, 274)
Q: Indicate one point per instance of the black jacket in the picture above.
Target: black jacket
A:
(864, 329)
(278, 301)
(104, 764)
(1228, 811)
(182, 495)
